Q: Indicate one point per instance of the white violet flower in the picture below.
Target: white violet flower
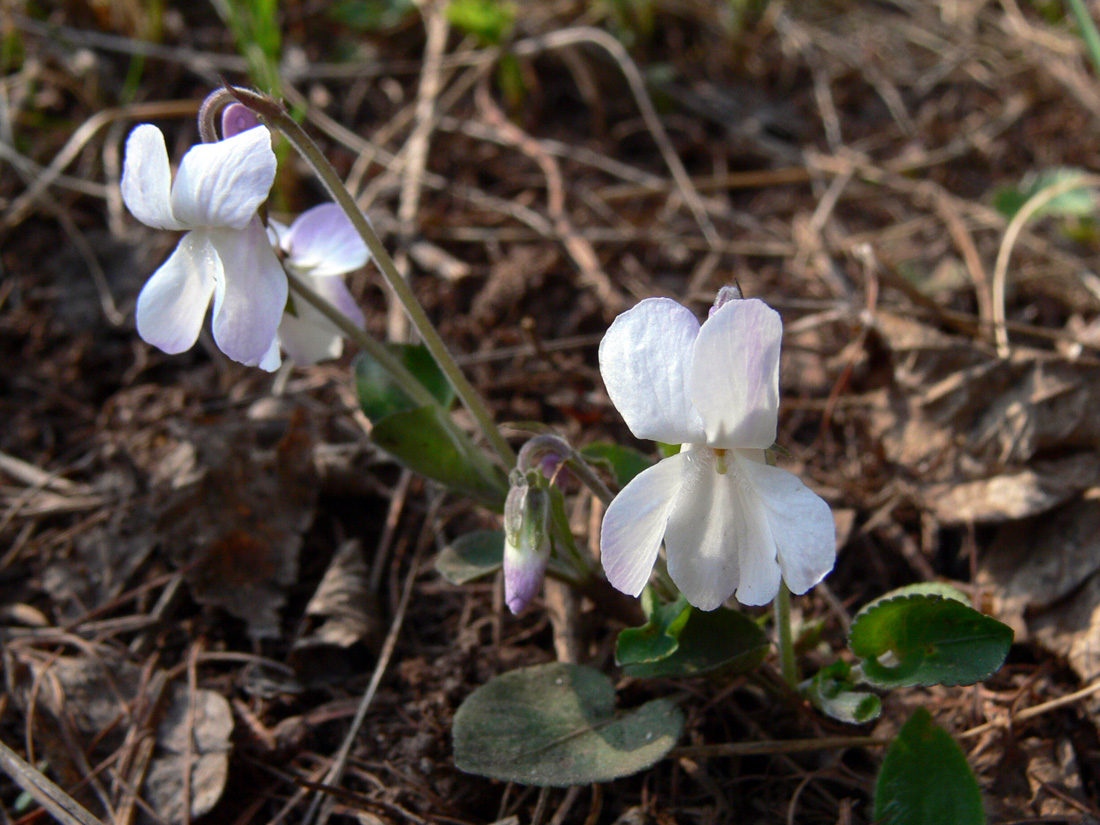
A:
(320, 246)
(225, 255)
(730, 522)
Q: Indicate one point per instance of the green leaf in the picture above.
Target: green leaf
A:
(926, 639)
(421, 440)
(490, 21)
(831, 692)
(658, 638)
(711, 642)
(371, 15)
(623, 462)
(925, 779)
(379, 396)
(555, 725)
(1076, 203)
(472, 556)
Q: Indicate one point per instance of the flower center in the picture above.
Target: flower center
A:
(720, 461)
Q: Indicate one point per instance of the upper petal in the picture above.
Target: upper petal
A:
(223, 184)
(147, 179)
(718, 540)
(644, 359)
(635, 521)
(250, 298)
(735, 375)
(173, 302)
(322, 241)
(801, 523)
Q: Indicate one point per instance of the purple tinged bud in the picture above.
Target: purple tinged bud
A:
(237, 118)
(724, 296)
(526, 543)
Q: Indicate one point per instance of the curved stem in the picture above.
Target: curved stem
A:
(404, 379)
(276, 116)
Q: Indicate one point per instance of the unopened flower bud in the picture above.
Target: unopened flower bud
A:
(526, 542)
(237, 118)
(724, 296)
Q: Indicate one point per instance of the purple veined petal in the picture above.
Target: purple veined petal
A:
(635, 522)
(307, 343)
(322, 242)
(718, 540)
(147, 179)
(249, 300)
(237, 118)
(734, 381)
(173, 302)
(223, 184)
(801, 523)
(644, 360)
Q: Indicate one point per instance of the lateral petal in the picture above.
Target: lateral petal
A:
(223, 184)
(147, 179)
(644, 360)
(635, 521)
(322, 241)
(249, 300)
(173, 302)
(801, 523)
(734, 381)
(718, 539)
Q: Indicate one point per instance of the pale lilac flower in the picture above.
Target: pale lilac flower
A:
(225, 255)
(730, 522)
(319, 247)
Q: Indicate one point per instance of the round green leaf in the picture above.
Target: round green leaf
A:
(473, 556)
(623, 462)
(925, 779)
(421, 440)
(715, 641)
(379, 396)
(927, 640)
(555, 725)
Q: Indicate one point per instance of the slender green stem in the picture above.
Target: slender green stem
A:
(277, 117)
(784, 639)
(1088, 31)
(408, 383)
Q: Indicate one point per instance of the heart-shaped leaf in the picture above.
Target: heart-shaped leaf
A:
(920, 639)
(421, 440)
(925, 779)
(711, 642)
(472, 556)
(380, 396)
(556, 725)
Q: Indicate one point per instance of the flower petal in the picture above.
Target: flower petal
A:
(147, 179)
(644, 359)
(634, 524)
(223, 184)
(322, 241)
(173, 302)
(237, 118)
(801, 523)
(249, 300)
(718, 539)
(734, 381)
(271, 360)
(306, 343)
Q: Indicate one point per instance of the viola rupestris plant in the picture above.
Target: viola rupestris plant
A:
(713, 523)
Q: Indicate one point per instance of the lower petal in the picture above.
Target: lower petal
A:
(801, 523)
(306, 343)
(635, 521)
(250, 298)
(718, 540)
(173, 302)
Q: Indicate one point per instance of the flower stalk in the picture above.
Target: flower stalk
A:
(784, 638)
(275, 116)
